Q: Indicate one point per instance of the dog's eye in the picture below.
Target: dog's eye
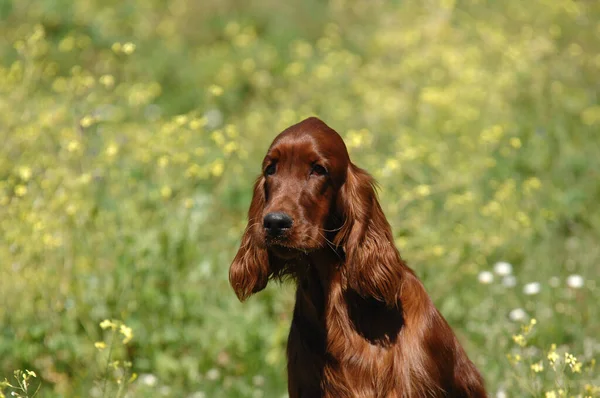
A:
(270, 170)
(319, 170)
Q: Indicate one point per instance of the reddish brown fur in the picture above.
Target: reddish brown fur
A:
(363, 324)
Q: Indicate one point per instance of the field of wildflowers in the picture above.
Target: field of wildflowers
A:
(131, 132)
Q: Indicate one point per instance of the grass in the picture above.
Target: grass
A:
(131, 134)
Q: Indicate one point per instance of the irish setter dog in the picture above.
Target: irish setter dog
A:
(363, 325)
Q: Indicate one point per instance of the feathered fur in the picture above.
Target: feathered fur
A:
(363, 324)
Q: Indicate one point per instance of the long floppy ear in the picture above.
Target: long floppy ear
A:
(373, 266)
(250, 271)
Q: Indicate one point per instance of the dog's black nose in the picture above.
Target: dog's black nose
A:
(276, 223)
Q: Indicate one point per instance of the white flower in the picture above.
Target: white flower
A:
(518, 314)
(503, 268)
(148, 379)
(213, 374)
(485, 277)
(258, 380)
(575, 281)
(509, 281)
(214, 118)
(531, 288)
(258, 394)
(501, 394)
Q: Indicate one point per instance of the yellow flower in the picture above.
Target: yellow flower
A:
(527, 328)
(163, 161)
(532, 183)
(570, 358)
(231, 131)
(217, 168)
(180, 120)
(232, 29)
(323, 72)
(193, 171)
(128, 48)
(552, 355)
(112, 150)
(100, 345)
(392, 164)
(215, 90)
(423, 190)
(105, 324)
(302, 49)
(519, 339)
(166, 192)
(448, 4)
(67, 44)
(107, 80)
(573, 363)
(294, 69)
(25, 173)
(515, 142)
(537, 367)
(356, 139)
(230, 147)
(218, 137)
(73, 146)
(550, 394)
(87, 121)
(20, 190)
(591, 389)
(195, 124)
(71, 209)
(127, 332)
(132, 378)
(85, 178)
(438, 250)
(591, 115)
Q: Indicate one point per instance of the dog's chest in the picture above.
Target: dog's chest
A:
(354, 339)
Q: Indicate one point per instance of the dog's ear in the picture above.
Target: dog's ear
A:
(373, 267)
(250, 271)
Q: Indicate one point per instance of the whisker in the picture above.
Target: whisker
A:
(333, 230)
(324, 237)
(331, 245)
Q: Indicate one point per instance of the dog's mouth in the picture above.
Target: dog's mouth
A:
(278, 240)
(284, 252)
(282, 247)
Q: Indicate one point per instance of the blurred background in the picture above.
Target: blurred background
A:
(131, 132)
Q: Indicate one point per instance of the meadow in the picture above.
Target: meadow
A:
(131, 133)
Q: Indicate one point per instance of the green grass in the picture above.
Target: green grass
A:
(126, 172)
